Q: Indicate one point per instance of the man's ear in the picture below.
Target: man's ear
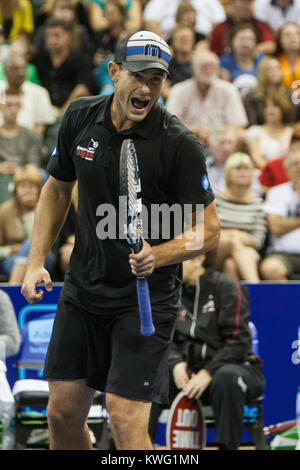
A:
(113, 70)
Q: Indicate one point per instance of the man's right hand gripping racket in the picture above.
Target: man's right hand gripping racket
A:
(131, 208)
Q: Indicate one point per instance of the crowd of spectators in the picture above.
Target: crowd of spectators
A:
(235, 75)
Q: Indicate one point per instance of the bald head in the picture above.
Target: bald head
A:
(205, 66)
(15, 70)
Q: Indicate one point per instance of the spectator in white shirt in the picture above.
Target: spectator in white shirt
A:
(36, 111)
(223, 142)
(277, 13)
(159, 16)
(283, 215)
(205, 101)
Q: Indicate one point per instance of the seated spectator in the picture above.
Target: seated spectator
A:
(107, 39)
(241, 11)
(222, 143)
(211, 354)
(45, 7)
(194, 100)
(16, 18)
(182, 44)
(282, 207)
(240, 66)
(16, 223)
(65, 73)
(160, 16)
(288, 53)
(186, 14)
(272, 139)
(269, 83)
(66, 11)
(36, 111)
(18, 145)
(21, 46)
(277, 13)
(274, 172)
(10, 337)
(242, 219)
(99, 22)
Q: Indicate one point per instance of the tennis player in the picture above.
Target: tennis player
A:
(96, 342)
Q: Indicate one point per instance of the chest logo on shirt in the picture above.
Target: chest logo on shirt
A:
(209, 306)
(87, 152)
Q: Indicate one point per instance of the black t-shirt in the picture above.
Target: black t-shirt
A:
(173, 171)
(179, 72)
(60, 81)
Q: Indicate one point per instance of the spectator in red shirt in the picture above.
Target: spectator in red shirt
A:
(241, 11)
(274, 172)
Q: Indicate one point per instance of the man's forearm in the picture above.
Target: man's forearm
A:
(50, 214)
(280, 225)
(79, 91)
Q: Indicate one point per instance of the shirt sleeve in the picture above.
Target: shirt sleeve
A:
(61, 165)
(275, 203)
(192, 182)
(266, 177)
(217, 38)
(226, 61)
(43, 111)
(265, 32)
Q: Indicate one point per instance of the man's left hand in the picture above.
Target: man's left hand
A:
(142, 263)
(197, 384)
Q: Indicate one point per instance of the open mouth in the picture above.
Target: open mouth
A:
(139, 103)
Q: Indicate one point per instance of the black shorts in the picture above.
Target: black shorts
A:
(110, 352)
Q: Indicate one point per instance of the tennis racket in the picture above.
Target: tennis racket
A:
(131, 217)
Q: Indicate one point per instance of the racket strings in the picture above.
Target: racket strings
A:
(133, 188)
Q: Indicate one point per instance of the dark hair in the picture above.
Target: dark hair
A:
(284, 104)
(54, 22)
(182, 8)
(279, 32)
(241, 27)
(180, 27)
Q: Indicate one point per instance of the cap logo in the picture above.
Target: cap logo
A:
(143, 48)
(150, 50)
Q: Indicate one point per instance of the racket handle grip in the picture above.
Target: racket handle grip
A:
(147, 327)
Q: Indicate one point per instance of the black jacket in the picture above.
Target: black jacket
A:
(212, 326)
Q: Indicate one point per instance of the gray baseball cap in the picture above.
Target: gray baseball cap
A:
(143, 50)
